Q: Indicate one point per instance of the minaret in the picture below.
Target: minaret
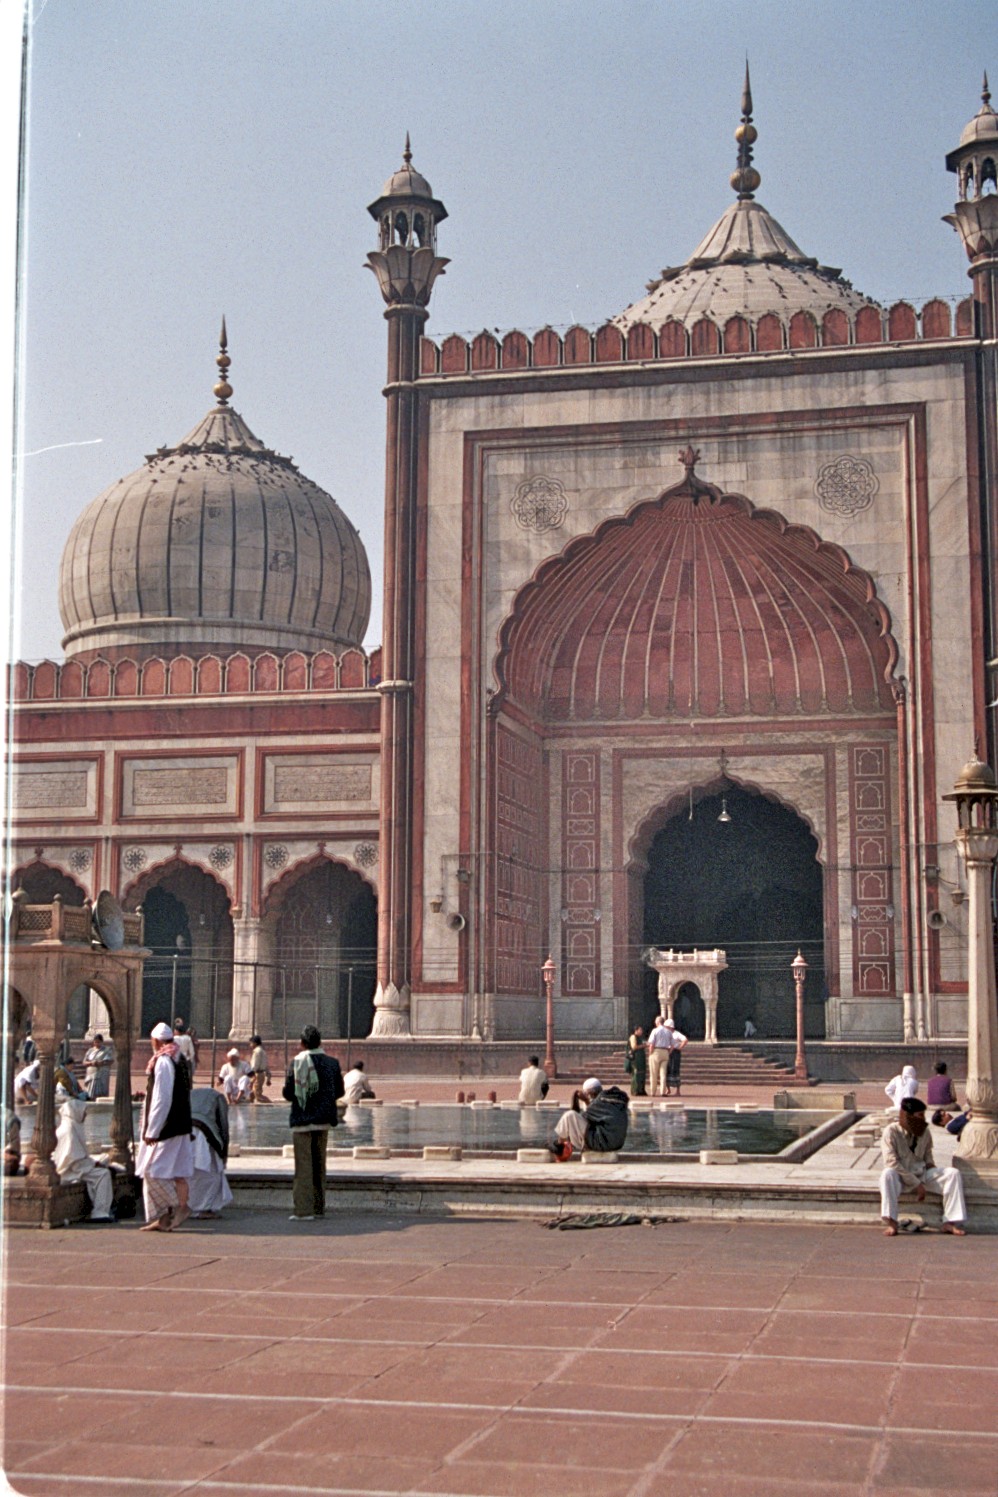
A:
(975, 218)
(406, 264)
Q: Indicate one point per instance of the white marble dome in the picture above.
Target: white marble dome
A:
(214, 545)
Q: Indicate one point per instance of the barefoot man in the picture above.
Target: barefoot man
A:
(165, 1158)
(907, 1150)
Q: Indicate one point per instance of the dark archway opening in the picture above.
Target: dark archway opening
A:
(751, 885)
(188, 928)
(689, 1012)
(325, 949)
(41, 885)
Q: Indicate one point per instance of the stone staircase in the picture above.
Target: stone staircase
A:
(703, 1065)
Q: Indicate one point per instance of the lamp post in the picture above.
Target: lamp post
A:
(547, 972)
(799, 968)
(976, 798)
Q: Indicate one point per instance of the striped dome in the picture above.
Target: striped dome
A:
(217, 544)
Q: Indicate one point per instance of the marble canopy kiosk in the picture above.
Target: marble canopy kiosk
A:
(51, 951)
(701, 968)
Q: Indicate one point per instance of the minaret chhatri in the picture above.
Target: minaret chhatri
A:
(406, 264)
(975, 218)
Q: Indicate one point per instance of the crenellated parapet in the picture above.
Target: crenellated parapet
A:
(705, 338)
(195, 676)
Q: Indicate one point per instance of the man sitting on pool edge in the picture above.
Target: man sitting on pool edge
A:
(596, 1121)
(906, 1146)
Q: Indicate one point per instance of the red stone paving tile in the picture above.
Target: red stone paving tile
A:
(475, 1283)
(205, 1419)
(584, 1286)
(587, 1445)
(405, 1335)
(649, 1329)
(717, 1450)
(108, 1458)
(502, 1328)
(506, 1364)
(325, 1472)
(934, 1342)
(425, 1434)
(744, 1291)
(34, 1346)
(632, 1370)
(870, 1337)
(56, 1416)
(573, 1400)
(960, 1399)
(844, 1296)
(662, 1484)
(933, 1464)
(516, 1477)
(44, 1486)
(802, 1391)
(354, 1358)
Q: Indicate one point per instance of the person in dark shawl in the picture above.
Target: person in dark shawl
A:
(209, 1189)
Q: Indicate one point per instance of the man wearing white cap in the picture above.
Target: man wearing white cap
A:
(596, 1121)
(165, 1157)
(674, 1045)
(236, 1078)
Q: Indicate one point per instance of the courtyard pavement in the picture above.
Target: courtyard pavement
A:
(382, 1354)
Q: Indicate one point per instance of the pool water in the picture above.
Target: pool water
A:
(676, 1130)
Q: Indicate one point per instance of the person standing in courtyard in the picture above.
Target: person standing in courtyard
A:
(259, 1069)
(637, 1062)
(533, 1083)
(98, 1061)
(313, 1086)
(906, 1147)
(185, 1044)
(901, 1086)
(658, 1052)
(165, 1157)
(674, 1043)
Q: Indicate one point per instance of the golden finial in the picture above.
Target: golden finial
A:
(985, 92)
(407, 153)
(745, 179)
(223, 389)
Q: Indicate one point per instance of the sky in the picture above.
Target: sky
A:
(188, 159)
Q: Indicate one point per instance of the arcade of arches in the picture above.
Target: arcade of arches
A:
(315, 952)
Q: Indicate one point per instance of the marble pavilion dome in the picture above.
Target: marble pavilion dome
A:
(746, 265)
(214, 545)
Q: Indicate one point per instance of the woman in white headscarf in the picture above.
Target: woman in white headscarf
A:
(899, 1087)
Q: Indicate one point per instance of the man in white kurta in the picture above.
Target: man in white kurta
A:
(237, 1082)
(533, 1083)
(74, 1162)
(165, 1157)
(906, 1147)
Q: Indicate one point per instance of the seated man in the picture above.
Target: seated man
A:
(26, 1084)
(596, 1121)
(237, 1082)
(356, 1085)
(11, 1140)
(907, 1152)
(533, 1083)
(73, 1160)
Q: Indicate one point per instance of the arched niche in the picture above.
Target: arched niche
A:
(188, 931)
(322, 916)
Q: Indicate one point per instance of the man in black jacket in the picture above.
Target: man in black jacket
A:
(312, 1086)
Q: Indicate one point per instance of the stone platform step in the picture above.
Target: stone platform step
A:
(703, 1065)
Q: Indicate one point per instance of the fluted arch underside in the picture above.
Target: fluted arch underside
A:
(697, 604)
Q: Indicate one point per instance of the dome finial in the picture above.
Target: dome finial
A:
(985, 91)
(223, 389)
(407, 153)
(745, 179)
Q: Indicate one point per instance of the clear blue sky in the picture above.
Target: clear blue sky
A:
(195, 157)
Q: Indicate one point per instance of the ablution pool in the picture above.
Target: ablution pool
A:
(497, 1130)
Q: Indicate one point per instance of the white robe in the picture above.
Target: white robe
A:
(209, 1190)
(167, 1158)
(74, 1162)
